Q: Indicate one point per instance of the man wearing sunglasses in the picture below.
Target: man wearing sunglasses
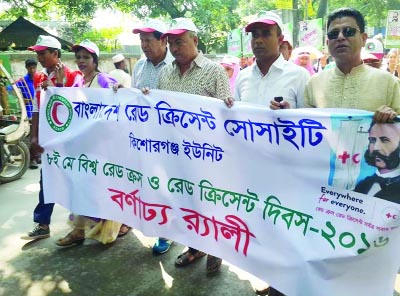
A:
(351, 83)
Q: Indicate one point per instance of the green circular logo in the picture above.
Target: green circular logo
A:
(59, 113)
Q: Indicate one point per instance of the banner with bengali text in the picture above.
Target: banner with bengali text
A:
(268, 191)
(234, 42)
(392, 39)
(311, 33)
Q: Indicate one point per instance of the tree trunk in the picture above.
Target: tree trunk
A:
(322, 8)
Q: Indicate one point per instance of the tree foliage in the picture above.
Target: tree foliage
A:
(214, 18)
(76, 13)
(251, 7)
(374, 11)
(105, 38)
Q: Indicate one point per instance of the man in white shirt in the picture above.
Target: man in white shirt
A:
(120, 73)
(271, 76)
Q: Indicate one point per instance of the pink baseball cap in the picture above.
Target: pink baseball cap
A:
(179, 26)
(43, 42)
(150, 26)
(88, 45)
(265, 17)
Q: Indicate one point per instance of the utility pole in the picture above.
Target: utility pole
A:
(296, 18)
(305, 10)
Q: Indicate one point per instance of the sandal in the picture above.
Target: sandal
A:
(213, 264)
(188, 258)
(124, 230)
(262, 291)
(70, 239)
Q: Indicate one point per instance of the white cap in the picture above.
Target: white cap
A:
(88, 45)
(365, 56)
(287, 38)
(265, 17)
(150, 26)
(43, 42)
(179, 26)
(374, 47)
(118, 58)
(230, 61)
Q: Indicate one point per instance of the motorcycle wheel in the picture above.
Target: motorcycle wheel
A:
(17, 161)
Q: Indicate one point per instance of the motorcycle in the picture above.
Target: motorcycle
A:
(14, 129)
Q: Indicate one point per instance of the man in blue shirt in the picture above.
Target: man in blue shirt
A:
(25, 84)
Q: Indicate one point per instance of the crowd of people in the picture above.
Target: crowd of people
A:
(272, 78)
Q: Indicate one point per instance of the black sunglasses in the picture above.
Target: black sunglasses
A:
(346, 31)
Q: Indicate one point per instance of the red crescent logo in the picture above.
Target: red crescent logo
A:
(356, 158)
(54, 113)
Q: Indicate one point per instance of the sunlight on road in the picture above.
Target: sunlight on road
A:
(47, 285)
(12, 221)
(166, 277)
(34, 187)
(397, 285)
(255, 282)
(147, 242)
(10, 248)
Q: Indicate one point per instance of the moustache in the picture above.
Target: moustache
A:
(391, 161)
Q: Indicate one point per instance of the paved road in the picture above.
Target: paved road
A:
(125, 268)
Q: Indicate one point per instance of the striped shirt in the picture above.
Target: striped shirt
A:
(145, 74)
(204, 78)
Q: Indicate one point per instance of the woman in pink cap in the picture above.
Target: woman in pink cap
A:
(104, 231)
(303, 59)
(87, 59)
(232, 68)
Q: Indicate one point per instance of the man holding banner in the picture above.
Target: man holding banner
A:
(271, 76)
(146, 70)
(145, 75)
(194, 74)
(352, 84)
(54, 73)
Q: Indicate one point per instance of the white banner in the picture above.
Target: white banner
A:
(269, 191)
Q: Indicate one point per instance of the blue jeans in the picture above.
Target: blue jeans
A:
(42, 212)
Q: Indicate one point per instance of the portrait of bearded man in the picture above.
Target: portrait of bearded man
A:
(383, 153)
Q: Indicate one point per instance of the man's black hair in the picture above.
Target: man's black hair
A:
(118, 64)
(51, 49)
(157, 35)
(30, 62)
(350, 12)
